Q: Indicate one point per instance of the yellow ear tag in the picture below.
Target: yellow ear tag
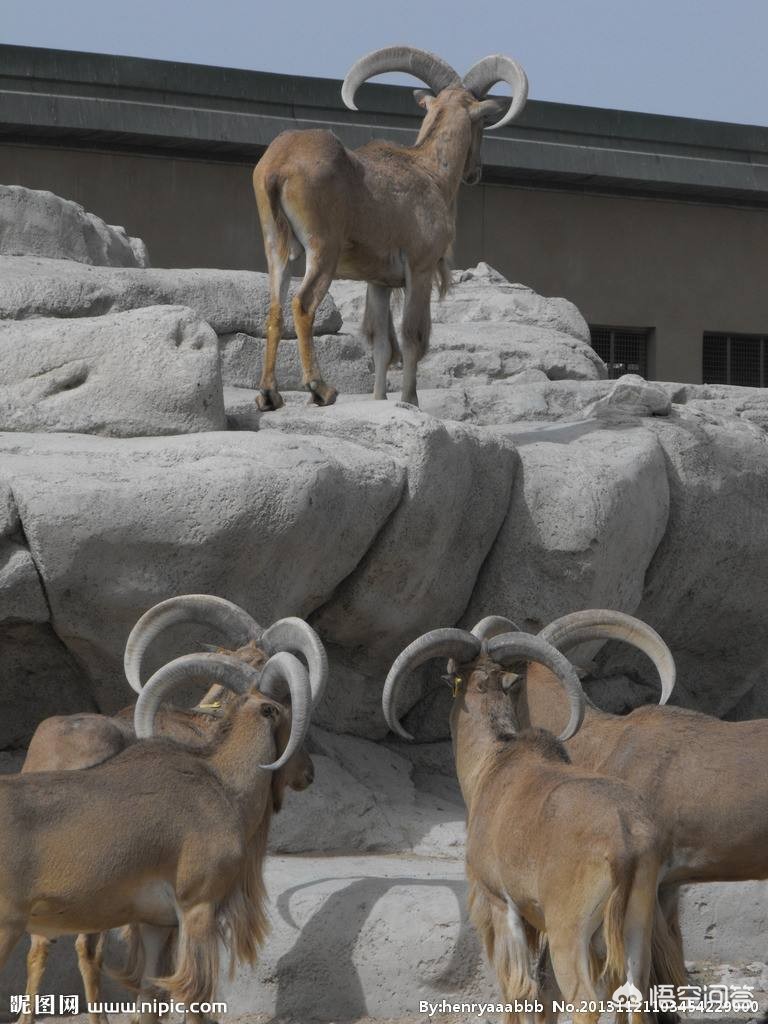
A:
(457, 681)
(213, 704)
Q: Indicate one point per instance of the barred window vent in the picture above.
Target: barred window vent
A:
(738, 359)
(622, 350)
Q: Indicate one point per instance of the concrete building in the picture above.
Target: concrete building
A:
(656, 227)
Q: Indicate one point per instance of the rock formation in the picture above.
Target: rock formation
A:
(134, 466)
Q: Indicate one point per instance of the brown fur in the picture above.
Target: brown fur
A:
(82, 741)
(552, 850)
(693, 769)
(383, 213)
(209, 844)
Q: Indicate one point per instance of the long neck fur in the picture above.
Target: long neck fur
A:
(441, 149)
(484, 743)
(235, 756)
(243, 742)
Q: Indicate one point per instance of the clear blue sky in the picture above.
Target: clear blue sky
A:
(696, 58)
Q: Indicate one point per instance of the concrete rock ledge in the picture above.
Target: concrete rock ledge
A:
(146, 372)
(34, 223)
(228, 300)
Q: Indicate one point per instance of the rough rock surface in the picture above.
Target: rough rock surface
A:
(145, 372)
(371, 798)
(478, 295)
(229, 300)
(487, 329)
(34, 223)
(344, 360)
(39, 678)
(526, 485)
(325, 514)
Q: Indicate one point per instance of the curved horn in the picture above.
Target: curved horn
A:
(497, 68)
(203, 609)
(425, 66)
(295, 635)
(190, 668)
(492, 625)
(606, 624)
(533, 648)
(282, 674)
(439, 643)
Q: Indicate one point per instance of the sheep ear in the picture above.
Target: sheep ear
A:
(423, 97)
(487, 110)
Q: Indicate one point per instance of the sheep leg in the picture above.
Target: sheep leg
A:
(154, 942)
(269, 397)
(379, 329)
(317, 279)
(9, 936)
(197, 956)
(570, 937)
(549, 993)
(415, 328)
(507, 945)
(37, 957)
(667, 956)
(90, 954)
(638, 928)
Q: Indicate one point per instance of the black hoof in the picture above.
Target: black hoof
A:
(321, 393)
(269, 399)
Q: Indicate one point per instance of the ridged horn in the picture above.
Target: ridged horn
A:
(497, 68)
(283, 674)
(439, 643)
(297, 636)
(229, 672)
(236, 626)
(524, 647)
(492, 625)
(427, 67)
(606, 624)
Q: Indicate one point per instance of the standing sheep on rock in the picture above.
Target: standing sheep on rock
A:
(187, 829)
(703, 779)
(79, 741)
(383, 213)
(552, 849)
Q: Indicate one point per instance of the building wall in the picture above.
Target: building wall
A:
(677, 267)
(680, 268)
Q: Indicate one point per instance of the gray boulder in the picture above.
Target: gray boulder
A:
(586, 515)
(479, 295)
(591, 514)
(367, 797)
(387, 601)
(344, 359)
(706, 590)
(21, 595)
(228, 300)
(34, 223)
(632, 395)
(324, 514)
(39, 678)
(114, 527)
(487, 329)
(145, 372)
(481, 353)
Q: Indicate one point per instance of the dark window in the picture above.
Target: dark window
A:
(734, 359)
(622, 350)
